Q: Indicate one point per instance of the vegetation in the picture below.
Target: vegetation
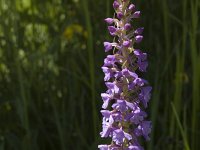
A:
(51, 54)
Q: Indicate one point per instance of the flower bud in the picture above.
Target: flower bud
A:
(127, 26)
(139, 31)
(108, 46)
(119, 15)
(109, 20)
(131, 7)
(112, 30)
(115, 5)
(126, 43)
(138, 38)
(136, 14)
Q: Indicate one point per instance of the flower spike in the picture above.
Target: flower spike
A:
(127, 95)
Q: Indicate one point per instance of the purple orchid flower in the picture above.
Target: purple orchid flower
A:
(127, 95)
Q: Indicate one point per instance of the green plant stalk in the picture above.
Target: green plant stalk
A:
(166, 27)
(22, 89)
(180, 61)
(58, 125)
(21, 101)
(184, 36)
(186, 145)
(154, 111)
(178, 88)
(195, 71)
(24, 117)
(91, 64)
(167, 45)
(166, 23)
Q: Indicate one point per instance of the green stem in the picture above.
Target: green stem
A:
(91, 63)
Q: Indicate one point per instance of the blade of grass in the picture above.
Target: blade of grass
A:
(180, 128)
(169, 74)
(22, 88)
(180, 61)
(58, 125)
(91, 64)
(154, 111)
(195, 72)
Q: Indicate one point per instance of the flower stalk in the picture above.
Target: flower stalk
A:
(124, 118)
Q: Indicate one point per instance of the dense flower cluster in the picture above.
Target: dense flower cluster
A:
(127, 94)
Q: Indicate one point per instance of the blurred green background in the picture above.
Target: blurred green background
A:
(51, 54)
